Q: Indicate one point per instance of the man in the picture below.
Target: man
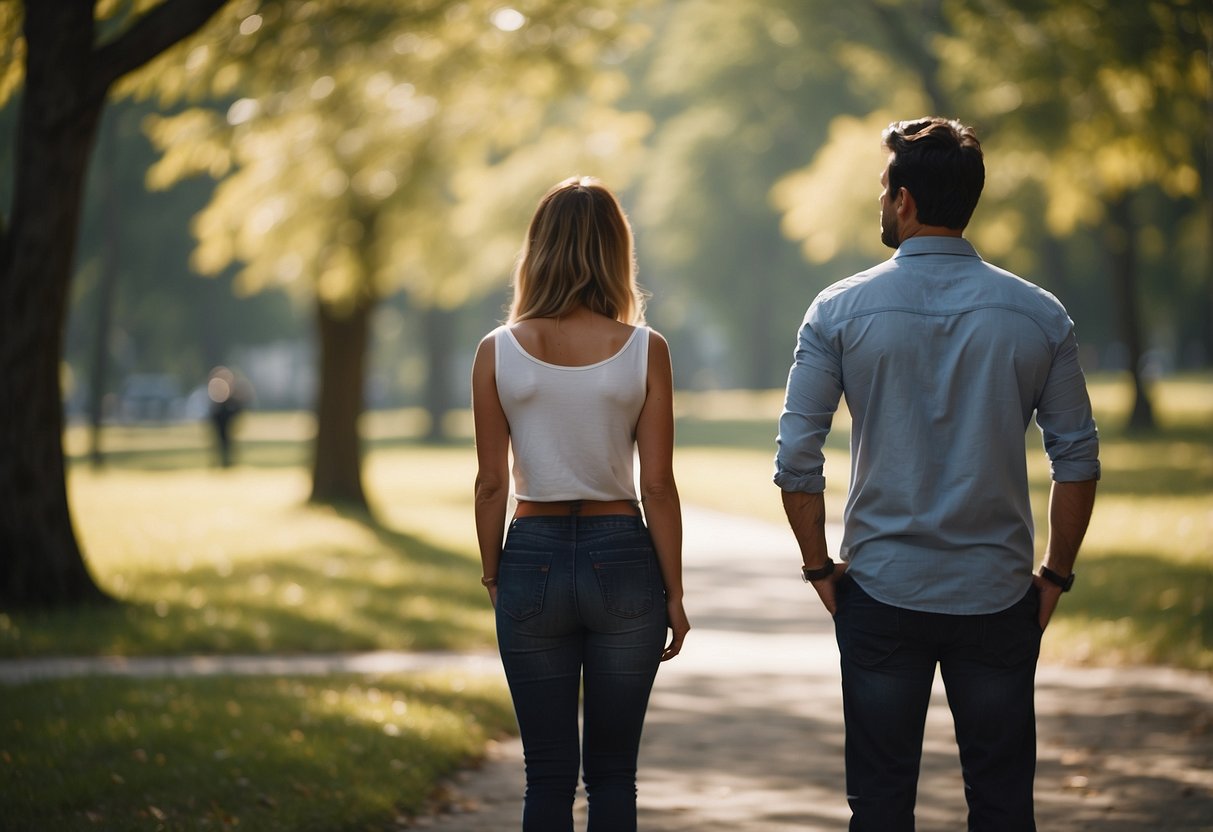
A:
(943, 359)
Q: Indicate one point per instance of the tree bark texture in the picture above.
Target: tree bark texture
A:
(1122, 253)
(66, 83)
(337, 464)
(57, 123)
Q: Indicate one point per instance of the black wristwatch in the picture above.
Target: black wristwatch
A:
(1053, 578)
(809, 575)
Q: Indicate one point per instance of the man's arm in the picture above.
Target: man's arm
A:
(807, 517)
(813, 392)
(1070, 506)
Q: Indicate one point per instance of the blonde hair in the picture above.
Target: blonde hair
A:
(578, 252)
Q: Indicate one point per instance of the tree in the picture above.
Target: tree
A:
(370, 149)
(1087, 109)
(67, 77)
(741, 93)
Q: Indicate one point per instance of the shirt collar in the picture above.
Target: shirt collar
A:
(932, 244)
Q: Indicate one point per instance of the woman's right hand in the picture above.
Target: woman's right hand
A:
(679, 627)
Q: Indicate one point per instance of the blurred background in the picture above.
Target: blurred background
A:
(312, 209)
(297, 171)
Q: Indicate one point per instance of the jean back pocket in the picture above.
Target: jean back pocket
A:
(520, 589)
(626, 581)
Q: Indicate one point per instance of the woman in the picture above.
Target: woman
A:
(577, 385)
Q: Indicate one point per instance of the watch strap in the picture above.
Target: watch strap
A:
(808, 575)
(1054, 578)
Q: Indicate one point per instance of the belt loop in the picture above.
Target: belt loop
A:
(574, 507)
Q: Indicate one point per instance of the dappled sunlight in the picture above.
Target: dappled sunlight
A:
(236, 561)
(428, 491)
(1121, 613)
(240, 563)
(335, 752)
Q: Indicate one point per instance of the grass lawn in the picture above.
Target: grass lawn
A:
(262, 753)
(209, 560)
(231, 561)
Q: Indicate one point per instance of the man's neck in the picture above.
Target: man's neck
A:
(919, 230)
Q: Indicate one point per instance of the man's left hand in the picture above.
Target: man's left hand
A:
(1050, 594)
(826, 586)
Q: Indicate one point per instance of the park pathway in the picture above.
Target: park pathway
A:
(745, 727)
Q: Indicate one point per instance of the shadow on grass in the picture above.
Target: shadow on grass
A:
(331, 753)
(408, 595)
(1166, 607)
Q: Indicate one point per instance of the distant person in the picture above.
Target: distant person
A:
(226, 403)
(944, 360)
(585, 586)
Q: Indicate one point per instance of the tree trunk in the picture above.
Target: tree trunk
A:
(438, 331)
(337, 464)
(40, 560)
(66, 83)
(1122, 253)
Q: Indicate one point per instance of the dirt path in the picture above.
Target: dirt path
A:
(745, 727)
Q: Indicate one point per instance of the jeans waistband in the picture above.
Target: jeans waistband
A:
(557, 522)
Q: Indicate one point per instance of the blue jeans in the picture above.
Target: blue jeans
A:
(580, 596)
(988, 665)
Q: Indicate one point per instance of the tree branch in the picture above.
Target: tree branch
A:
(155, 32)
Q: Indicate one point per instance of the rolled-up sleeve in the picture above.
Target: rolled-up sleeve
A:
(813, 392)
(1064, 415)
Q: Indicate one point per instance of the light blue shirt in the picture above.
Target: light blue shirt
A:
(943, 360)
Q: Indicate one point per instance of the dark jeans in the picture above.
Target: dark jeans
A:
(988, 665)
(580, 596)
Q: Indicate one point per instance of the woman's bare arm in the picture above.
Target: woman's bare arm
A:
(492, 490)
(658, 491)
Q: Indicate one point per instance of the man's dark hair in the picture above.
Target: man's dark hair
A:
(939, 162)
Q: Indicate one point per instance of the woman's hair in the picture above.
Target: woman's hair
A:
(578, 251)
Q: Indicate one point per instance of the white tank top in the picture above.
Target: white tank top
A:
(572, 429)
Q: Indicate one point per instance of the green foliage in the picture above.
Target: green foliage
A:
(741, 93)
(1101, 99)
(164, 319)
(1086, 101)
(325, 753)
(1077, 105)
(362, 140)
(12, 50)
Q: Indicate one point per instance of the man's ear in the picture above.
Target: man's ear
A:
(905, 205)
